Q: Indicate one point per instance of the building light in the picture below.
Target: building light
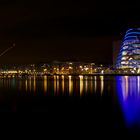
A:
(125, 47)
(124, 62)
(124, 53)
(81, 76)
(12, 71)
(86, 69)
(124, 58)
(138, 71)
(69, 76)
(133, 71)
(102, 71)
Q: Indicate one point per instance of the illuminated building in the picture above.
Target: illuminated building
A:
(129, 54)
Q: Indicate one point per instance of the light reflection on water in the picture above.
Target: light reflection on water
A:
(26, 85)
(55, 82)
(95, 83)
(86, 84)
(35, 83)
(45, 84)
(102, 84)
(30, 83)
(63, 84)
(128, 91)
(55, 85)
(81, 85)
(125, 88)
(70, 85)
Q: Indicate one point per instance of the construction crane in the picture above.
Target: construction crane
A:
(1, 54)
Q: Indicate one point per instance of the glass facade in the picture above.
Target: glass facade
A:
(129, 54)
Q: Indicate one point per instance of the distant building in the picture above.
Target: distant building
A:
(129, 54)
(116, 49)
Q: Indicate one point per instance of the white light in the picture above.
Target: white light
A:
(70, 67)
(102, 71)
(124, 53)
(81, 76)
(86, 68)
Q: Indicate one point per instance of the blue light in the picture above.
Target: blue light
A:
(128, 40)
(132, 41)
(129, 37)
(128, 30)
(132, 33)
(128, 93)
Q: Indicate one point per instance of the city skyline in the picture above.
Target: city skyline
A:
(58, 61)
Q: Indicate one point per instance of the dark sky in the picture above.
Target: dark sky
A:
(64, 30)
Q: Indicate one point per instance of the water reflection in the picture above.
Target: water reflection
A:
(102, 84)
(26, 85)
(63, 86)
(129, 98)
(91, 84)
(45, 84)
(138, 78)
(13, 82)
(20, 85)
(34, 83)
(70, 85)
(30, 83)
(86, 84)
(81, 85)
(95, 83)
(55, 85)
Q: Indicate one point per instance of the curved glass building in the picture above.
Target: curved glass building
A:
(129, 54)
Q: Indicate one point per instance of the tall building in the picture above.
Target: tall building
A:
(129, 54)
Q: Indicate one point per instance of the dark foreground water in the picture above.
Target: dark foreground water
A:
(103, 101)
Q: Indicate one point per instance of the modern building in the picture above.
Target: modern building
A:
(129, 54)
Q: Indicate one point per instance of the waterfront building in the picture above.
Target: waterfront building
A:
(129, 54)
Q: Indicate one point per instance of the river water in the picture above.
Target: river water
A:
(98, 100)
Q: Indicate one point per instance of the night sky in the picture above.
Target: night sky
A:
(63, 30)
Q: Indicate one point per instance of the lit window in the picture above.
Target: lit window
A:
(137, 51)
(124, 58)
(125, 47)
(124, 53)
(124, 62)
(136, 45)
